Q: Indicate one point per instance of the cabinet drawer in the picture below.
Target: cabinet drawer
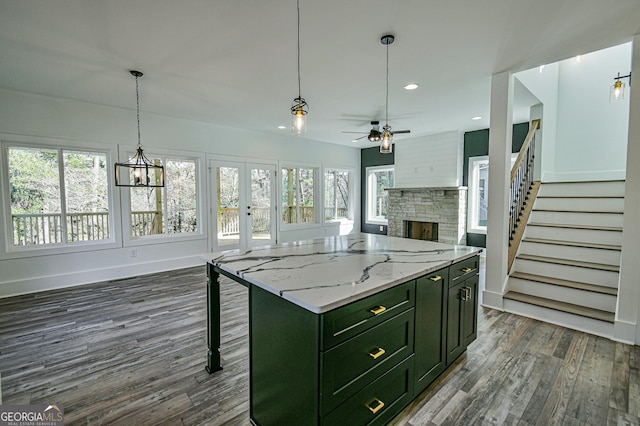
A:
(378, 402)
(347, 321)
(353, 364)
(462, 270)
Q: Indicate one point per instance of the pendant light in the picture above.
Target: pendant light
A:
(299, 108)
(139, 171)
(617, 92)
(386, 143)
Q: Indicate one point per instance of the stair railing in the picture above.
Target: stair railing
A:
(522, 179)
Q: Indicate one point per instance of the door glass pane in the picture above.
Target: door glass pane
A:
(260, 204)
(228, 194)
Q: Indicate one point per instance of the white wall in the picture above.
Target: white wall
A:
(429, 161)
(543, 83)
(584, 136)
(26, 116)
(592, 132)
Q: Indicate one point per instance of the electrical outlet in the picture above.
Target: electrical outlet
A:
(134, 253)
(381, 228)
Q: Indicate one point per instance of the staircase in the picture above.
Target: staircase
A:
(567, 265)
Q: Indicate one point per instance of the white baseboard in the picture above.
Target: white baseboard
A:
(73, 279)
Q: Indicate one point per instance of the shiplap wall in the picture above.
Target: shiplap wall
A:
(429, 161)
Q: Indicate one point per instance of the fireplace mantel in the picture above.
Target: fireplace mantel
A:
(446, 206)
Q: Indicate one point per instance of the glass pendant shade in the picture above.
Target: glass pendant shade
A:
(617, 92)
(299, 111)
(386, 145)
(139, 171)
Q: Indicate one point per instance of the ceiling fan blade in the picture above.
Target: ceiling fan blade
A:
(357, 139)
(344, 131)
(395, 132)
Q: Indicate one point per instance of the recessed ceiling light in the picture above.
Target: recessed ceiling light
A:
(477, 117)
(411, 86)
(354, 140)
(282, 127)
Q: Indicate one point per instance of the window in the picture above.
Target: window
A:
(57, 196)
(169, 210)
(337, 194)
(378, 178)
(479, 192)
(298, 194)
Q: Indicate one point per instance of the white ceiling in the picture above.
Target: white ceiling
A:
(233, 62)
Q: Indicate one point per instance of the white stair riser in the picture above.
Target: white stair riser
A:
(589, 299)
(576, 322)
(592, 236)
(565, 272)
(580, 204)
(588, 189)
(573, 218)
(583, 254)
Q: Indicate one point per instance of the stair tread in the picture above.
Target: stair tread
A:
(566, 283)
(569, 262)
(580, 196)
(578, 211)
(590, 227)
(573, 244)
(561, 306)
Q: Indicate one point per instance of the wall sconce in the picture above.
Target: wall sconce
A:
(617, 92)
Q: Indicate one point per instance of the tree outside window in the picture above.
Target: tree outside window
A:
(54, 203)
(337, 194)
(169, 210)
(298, 195)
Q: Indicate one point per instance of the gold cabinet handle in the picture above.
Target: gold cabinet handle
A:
(378, 407)
(468, 290)
(463, 294)
(466, 270)
(377, 354)
(380, 309)
(436, 278)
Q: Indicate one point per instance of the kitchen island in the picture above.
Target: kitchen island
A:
(349, 328)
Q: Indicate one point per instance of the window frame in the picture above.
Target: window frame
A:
(351, 194)
(201, 233)
(472, 191)
(317, 193)
(371, 192)
(8, 250)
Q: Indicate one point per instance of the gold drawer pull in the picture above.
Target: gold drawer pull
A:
(436, 278)
(466, 270)
(380, 309)
(377, 408)
(377, 354)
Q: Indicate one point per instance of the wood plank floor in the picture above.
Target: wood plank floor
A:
(132, 352)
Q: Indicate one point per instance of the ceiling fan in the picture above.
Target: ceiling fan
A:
(386, 135)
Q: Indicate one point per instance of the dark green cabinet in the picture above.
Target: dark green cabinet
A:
(430, 328)
(462, 307)
(361, 363)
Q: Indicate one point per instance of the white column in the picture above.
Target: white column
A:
(626, 326)
(500, 132)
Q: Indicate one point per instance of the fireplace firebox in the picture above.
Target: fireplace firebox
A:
(421, 230)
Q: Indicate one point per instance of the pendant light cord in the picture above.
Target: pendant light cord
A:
(298, 8)
(386, 108)
(138, 111)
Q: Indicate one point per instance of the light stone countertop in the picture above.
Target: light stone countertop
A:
(326, 273)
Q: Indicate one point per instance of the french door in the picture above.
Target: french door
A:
(244, 204)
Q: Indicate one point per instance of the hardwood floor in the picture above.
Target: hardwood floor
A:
(133, 352)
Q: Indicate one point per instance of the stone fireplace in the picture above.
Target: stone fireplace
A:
(446, 207)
